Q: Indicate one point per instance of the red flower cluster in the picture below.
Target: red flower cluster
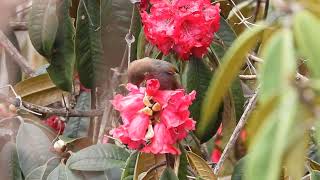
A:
(153, 120)
(55, 123)
(184, 26)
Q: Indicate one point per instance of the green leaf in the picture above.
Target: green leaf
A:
(265, 158)
(88, 43)
(59, 173)
(37, 173)
(306, 32)
(200, 166)
(315, 175)
(78, 127)
(141, 45)
(31, 139)
(128, 172)
(198, 76)
(279, 67)
(63, 56)
(43, 25)
(183, 165)
(98, 158)
(9, 162)
(223, 78)
(168, 174)
(238, 170)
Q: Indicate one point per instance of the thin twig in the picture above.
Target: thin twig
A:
(51, 111)
(236, 132)
(248, 77)
(18, 26)
(14, 53)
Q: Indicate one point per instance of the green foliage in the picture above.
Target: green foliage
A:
(306, 28)
(128, 172)
(168, 174)
(31, 139)
(88, 42)
(78, 127)
(63, 56)
(200, 166)
(43, 25)
(9, 162)
(280, 61)
(232, 62)
(98, 158)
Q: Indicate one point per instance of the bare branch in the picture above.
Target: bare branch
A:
(14, 53)
(236, 132)
(51, 111)
(18, 26)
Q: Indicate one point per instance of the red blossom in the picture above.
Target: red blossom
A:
(184, 26)
(153, 120)
(55, 123)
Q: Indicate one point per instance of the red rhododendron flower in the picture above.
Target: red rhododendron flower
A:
(55, 123)
(184, 26)
(153, 120)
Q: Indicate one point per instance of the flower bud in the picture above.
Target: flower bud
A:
(59, 146)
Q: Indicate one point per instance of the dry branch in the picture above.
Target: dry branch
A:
(51, 111)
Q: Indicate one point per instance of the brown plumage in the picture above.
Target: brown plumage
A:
(147, 68)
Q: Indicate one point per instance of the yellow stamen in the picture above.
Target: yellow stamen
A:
(156, 107)
(147, 111)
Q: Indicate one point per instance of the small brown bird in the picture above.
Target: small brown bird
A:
(143, 69)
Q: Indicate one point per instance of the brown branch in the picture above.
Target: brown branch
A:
(236, 132)
(18, 26)
(14, 53)
(51, 111)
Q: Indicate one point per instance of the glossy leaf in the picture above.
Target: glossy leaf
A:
(88, 43)
(198, 76)
(63, 56)
(168, 174)
(306, 33)
(98, 158)
(43, 25)
(128, 172)
(200, 166)
(31, 139)
(39, 90)
(223, 78)
(37, 173)
(183, 165)
(78, 127)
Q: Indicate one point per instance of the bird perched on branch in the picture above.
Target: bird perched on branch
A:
(143, 69)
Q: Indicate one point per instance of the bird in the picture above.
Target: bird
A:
(147, 68)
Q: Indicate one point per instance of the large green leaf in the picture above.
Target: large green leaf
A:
(88, 43)
(128, 172)
(78, 127)
(43, 25)
(9, 162)
(31, 139)
(37, 173)
(226, 36)
(98, 158)
(306, 32)
(63, 56)
(223, 78)
(168, 174)
(198, 76)
(200, 166)
(265, 158)
(238, 170)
